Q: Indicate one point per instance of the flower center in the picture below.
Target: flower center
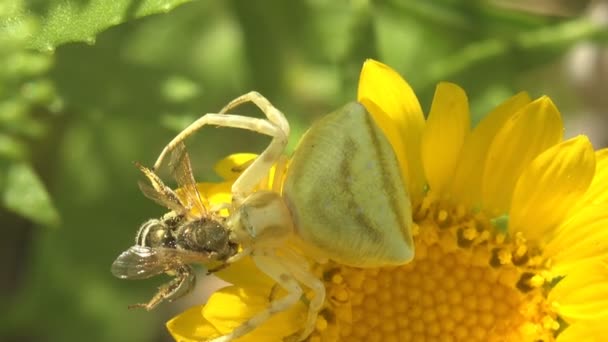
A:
(468, 282)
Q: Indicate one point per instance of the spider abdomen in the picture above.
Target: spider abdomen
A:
(345, 192)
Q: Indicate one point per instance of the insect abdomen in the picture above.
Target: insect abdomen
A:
(345, 191)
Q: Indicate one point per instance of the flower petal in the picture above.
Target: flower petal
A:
(533, 129)
(465, 187)
(589, 331)
(215, 194)
(220, 193)
(190, 326)
(232, 306)
(583, 293)
(550, 186)
(246, 274)
(446, 128)
(395, 108)
(582, 238)
(598, 192)
(231, 167)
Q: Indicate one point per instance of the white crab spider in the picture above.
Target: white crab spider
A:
(343, 199)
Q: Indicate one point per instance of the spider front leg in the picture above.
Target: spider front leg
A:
(275, 126)
(261, 165)
(270, 265)
(274, 115)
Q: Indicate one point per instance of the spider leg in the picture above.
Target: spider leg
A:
(275, 126)
(259, 167)
(299, 267)
(279, 173)
(223, 120)
(274, 115)
(270, 265)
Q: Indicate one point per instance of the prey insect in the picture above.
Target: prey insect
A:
(188, 234)
(342, 198)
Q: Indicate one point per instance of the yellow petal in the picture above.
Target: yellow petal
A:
(598, 191)
(219, 193)
(395, 108)
(204, 189)
(245, 273)
(550, 186)
(231, 167)
(588, 331)
(216, 194)
(533, 129)
(582, 238)
(190, 326)
(465, 187)
(211, 190)
(583, 294)
(276, 174)
(446, 128)
(211, 194)
(230, 307)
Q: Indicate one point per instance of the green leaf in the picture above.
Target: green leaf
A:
(63, 21)
(25, 194)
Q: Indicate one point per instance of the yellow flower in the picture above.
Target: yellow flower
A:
(511, 234)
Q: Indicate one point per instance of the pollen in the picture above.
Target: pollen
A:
(468, 282)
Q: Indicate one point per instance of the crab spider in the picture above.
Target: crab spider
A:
(342, 199)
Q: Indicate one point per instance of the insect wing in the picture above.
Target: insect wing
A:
(161, 198)
(181, 169)
(159, 192)
(139, 262)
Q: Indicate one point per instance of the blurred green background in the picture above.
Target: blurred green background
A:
(89, 86)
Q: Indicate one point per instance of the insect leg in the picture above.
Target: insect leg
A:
(179, 286)
(274, 269)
